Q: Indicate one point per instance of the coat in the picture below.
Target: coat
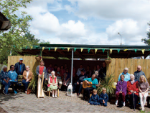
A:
(121, 86)
(137, 75)
(30, 76)
(94, 98)
(126, 77)
(103, 97)
(133, 87)
(44, 70)
(17, 68)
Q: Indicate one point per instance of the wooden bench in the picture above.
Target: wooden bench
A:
(49, 92)
(148, 98)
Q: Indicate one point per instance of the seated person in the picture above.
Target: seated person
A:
(126, 75)
(143, 90)
(133, 91)
(103, 98)
(50, 68)
(66, 78)
(27, 77)
(62, 72)
(94, 84)
(52, 84)
(94, 100)
(48, 73)
(13, 78)
(102, 72)
(59, 78)
(79, 82)
(88, 71)
(5, 79)
(79, 70)
(121, 90)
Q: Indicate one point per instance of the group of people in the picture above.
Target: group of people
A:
(130, 86)
(10, 77)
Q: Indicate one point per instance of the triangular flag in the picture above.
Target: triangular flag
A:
(118, 50)
(55, 49)
(95, 50)
(135, 50)
(26, 47)
(49, 48)
(143, 50)
(125, 49)
(63, 48)
(110, 51)
(31, 47)
(43, 48)
(89, 50)
(81, 49)
(68, 49)
(103, 50)
(75, 49)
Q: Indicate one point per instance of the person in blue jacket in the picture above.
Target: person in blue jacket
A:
(126, 75)
(5, 79)
(103, 98)
(13, 78)
(94, 81)
(94, 100)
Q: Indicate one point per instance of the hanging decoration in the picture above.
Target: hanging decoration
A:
(26, 47)
(49, 48)
(31, 47)
(55, 49)
(110, 51)
(81, 49)
(95, 51)
(118, 50)
(89, 50)
(75, 49)
(68, 49)
(125, 49)
(103, 50)
(63, 48)
(143, 50)
(43, 48)
(135, 50)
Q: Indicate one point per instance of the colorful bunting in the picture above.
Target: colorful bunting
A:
(125, 49)
(43, 48)
(75, 49)
(135, 50)
(81, 49)
(95, 51)
(118, 50)
(89, 50)
(110, 51)
(68, 49)
(103, 50)
(63, 48)
(143, 50)
(55, 49)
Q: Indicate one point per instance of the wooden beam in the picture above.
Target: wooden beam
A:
(77, 53)
(146, 54)
(128, 54)
(61, 52)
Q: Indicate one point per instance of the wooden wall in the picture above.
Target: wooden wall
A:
(27, 60)
(117, 65)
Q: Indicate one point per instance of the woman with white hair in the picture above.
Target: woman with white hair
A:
(52, 84)
(126, 75)
(5, 79)
(27, 77)
(143, 90)
(133, 91)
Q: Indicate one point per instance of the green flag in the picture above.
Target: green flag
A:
(103, 50)
(63, 48)
(89, 50)
(49, 48)
(135, 50)
(118, 50)
(75, 49)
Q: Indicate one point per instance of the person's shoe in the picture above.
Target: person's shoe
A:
(124, 104)
(116, 102)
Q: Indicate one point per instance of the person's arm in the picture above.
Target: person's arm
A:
(147, 85)
(117, 87)
(45, 72)
(16, 67)
(24, 75)
(128, 86)
(56, 82)
(86, 79)
(107, 98)
(37, 70)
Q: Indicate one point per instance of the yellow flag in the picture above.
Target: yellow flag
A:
(43, 48)
(110, 51)
(81, 49)
(68, 49)
(95, 50)
(55, 48)
(125, 49)
(31, 47)
(143, 50)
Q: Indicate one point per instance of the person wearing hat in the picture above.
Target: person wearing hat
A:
(20, 67)
(126, 75)
(79, 83)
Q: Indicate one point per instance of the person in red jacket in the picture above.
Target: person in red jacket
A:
(133, 91)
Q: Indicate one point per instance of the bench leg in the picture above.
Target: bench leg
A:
(49, 93)
(58, 93)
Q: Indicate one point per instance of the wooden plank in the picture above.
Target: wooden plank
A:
(116, 70)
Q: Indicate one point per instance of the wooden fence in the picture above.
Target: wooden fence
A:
(117, 65)
(27, 60)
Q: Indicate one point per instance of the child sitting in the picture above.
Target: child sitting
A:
(103, 98)
(94, 100)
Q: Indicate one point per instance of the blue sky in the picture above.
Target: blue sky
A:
(90, 21)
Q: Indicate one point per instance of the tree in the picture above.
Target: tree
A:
(147, 40)
(14, 39)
